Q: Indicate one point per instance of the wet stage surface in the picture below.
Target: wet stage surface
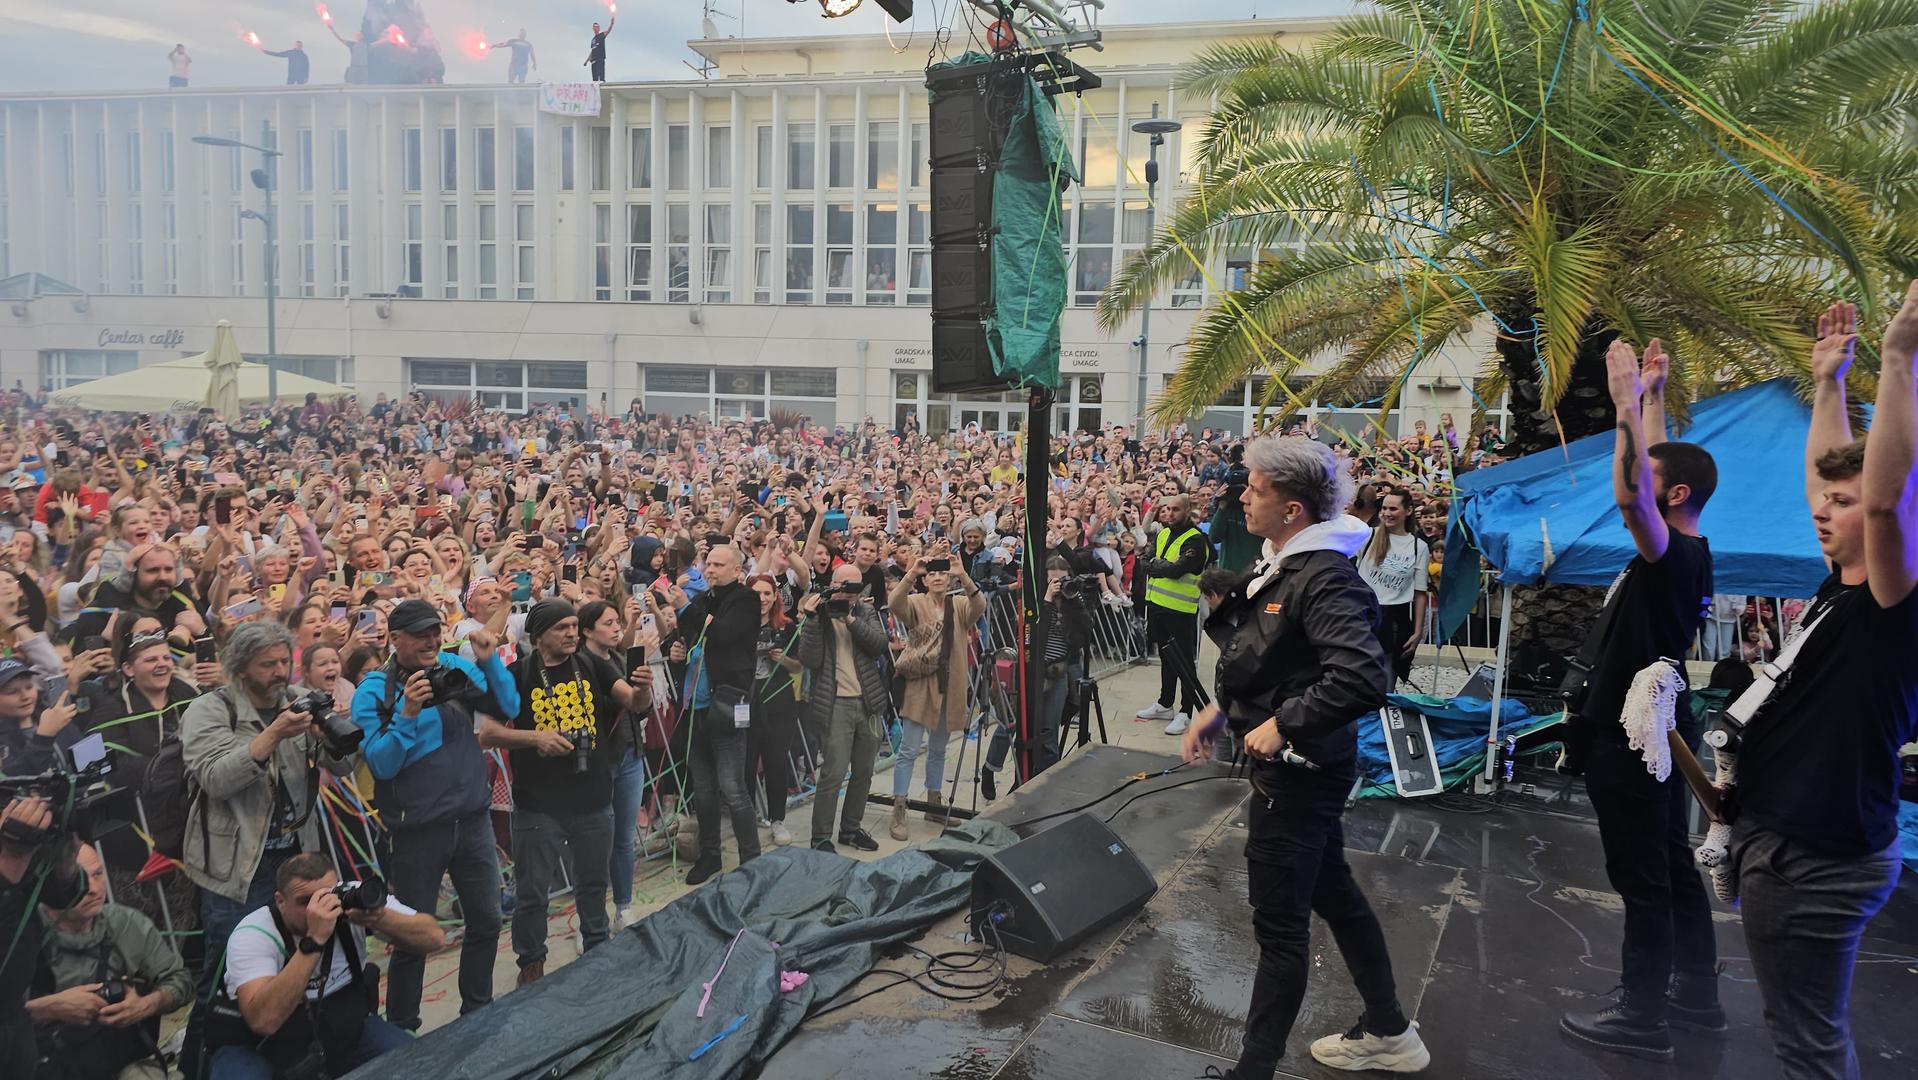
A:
(1498, 921)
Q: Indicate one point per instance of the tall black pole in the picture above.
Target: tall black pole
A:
(1032, 587)
(272, 223)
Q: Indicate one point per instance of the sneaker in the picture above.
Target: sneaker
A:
(1623, 1028)
(859, 838)
(704, 870)
(1693, 1004)
(1155, 711)
(781, 834)
(825, 846)
(987, 785)
(1359, 1049)
(1178, 725)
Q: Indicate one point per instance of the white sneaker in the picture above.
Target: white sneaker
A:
(1155, 711)
(781, 835)
(1178, 724)
(1359, 1049)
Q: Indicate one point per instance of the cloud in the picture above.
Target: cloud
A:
(47, 16)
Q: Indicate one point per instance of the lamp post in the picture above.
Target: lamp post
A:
(1158, 129)
(263, 179)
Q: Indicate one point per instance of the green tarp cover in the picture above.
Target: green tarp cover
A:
(627, 1009)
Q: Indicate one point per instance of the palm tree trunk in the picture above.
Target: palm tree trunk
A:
(1551, 620)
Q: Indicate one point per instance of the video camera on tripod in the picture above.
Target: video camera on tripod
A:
(1083, 588)
(83, 803)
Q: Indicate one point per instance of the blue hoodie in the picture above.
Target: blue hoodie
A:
(429, 767)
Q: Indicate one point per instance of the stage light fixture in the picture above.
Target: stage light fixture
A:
(836, 8)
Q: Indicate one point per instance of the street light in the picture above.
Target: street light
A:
(263, 179)
(1158, 129)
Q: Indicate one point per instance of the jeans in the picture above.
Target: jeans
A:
(852, 738)
(218, 917)
(912, 737)
(1804, 912)
(537, 840)
(1176, 633)
(1049, 739)
(719, 776)
(629, 790)
(1295, 863)
(461, 848)
(245, 1063)
(769, 745)
(1648, 858)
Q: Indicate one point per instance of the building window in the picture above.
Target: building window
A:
(513, 387)
(485, 159)
(639, 253)
(1099, 158)
(799, 243)
(918, 156)
(449, 160)
(719, 254)
(488, 251)
(639, 157)
(882, 253)
(719, 157)
(566, 158)
(1081, 404)
(599, 152)
(679, 256)
(678, 153)
(169, 248)
(342, 249)
(133, 162)
(948, 412)
(799, 156)
(602, 251)
(1092, 253)
(919, 255)
(412, 252)
(102, 258)
(882, 155)
(740, 393)
(410, 157)
(523, 260)
(839, 155)
(839, 267)
(61, 368)
(763, 157)
(100, 164)
(762, 254)
(238, 253)
(136, 249)
(450, 250)
(302, 160)
(167, 176)
(66, 162)
(333, 369)
(522, 159)
(342, 172)
(309, 247)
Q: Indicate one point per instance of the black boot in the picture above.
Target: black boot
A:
(703, 870)
(1693, 1004)
(1627, 1026)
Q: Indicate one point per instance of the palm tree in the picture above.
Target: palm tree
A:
(1709, 172)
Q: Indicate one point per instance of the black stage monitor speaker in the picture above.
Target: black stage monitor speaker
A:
(1061, 887)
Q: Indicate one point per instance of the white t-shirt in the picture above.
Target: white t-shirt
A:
(1401, 574)
(256, 951)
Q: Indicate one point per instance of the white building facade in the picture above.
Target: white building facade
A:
(730, 245)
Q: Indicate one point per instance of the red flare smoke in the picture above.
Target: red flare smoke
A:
(325, 15)
(394, 35)
(251, 38)
(474, 44)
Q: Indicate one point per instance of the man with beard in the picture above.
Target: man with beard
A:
(254, 761)
(149, 582)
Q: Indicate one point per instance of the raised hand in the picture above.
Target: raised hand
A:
(1654, 368)
(1901, 337)
(1622, 374)
(1832, 354)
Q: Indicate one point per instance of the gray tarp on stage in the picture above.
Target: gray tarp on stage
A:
(626, 1009)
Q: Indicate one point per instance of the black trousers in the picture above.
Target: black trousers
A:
(769, 748)
(1295, 865)
(1395, 625)
(599, 70)
(1648, 857)
(1176, 633)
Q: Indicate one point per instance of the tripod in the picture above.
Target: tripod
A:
(1083, 702)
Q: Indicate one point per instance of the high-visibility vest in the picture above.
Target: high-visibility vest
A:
(1174, 593)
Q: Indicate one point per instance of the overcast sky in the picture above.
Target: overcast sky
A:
(122, 44)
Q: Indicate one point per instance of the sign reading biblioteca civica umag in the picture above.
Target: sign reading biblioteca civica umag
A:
(569, 98)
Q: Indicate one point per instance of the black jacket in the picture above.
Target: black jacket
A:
(729, 640)
(1305, 648)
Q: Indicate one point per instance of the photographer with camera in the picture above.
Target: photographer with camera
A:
(933, 667)
(560, 744)
(298, 997)
(1074, 600)
(37, 865)
(429, 780)
(253, 756)
(106, 977)
(841, 643)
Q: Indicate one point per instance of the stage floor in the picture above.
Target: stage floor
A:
(1498, 921)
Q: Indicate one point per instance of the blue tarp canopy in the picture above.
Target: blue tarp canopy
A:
(1550, 516)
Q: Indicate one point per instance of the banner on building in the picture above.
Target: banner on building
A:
(569, 98)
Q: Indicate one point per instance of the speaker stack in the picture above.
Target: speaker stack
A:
(971, 106)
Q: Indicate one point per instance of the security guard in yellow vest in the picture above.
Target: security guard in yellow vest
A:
(1172, 611)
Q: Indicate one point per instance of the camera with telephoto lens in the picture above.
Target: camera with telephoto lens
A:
(584, 741)
(339, 734)
(83, 805)
(366, 894)
(447, 683)
(1080, 587)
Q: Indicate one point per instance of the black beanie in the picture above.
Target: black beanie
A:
(545, 615)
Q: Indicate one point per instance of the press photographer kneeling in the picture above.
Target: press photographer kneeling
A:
(298, 998)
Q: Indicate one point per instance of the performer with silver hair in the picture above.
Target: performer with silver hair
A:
(1299, 663)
